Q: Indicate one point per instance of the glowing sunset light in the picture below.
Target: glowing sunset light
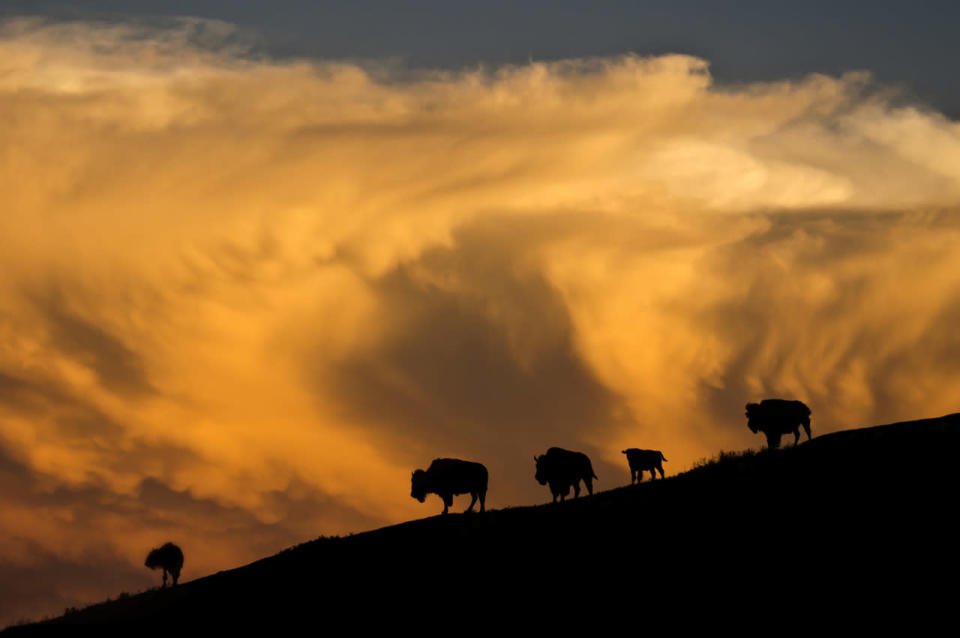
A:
(242, 298)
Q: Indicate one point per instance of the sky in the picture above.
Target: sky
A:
(257, 267)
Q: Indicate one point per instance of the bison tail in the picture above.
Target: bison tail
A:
(663, 457)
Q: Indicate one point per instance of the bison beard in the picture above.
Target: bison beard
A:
(449, 477)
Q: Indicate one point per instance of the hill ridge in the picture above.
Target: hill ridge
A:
(885, 484)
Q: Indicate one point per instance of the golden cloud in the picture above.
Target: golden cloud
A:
(258, 291)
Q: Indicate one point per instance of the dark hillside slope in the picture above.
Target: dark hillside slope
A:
(867, 510)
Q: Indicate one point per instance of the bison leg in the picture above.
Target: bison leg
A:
(773, 439)
(796, 436)
(589, 483)
(806, 426)
(659, 467)
(447, 502)
(483, 498)
(576, 489)
(164, 576)
(473, 502)
(176, 576)
(633, 476)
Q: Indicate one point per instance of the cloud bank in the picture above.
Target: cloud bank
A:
(241, 300)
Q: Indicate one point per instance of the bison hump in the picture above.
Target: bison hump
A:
(782, 405)
(454, 465)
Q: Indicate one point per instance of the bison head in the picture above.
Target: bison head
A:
(419, 487)
(753, 417)
(153, 559)
(541, 474)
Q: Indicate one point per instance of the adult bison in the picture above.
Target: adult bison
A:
(776, 417)
(448, 477)
(642, 460)
(564, 469)
(169, 557)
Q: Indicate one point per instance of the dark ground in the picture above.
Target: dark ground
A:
(854, 522)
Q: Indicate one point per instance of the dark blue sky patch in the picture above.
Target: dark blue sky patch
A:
(909, 44)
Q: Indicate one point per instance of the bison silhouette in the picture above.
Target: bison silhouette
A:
(169, 557)
(564, 469)
(449, 477)
(776, 417)
(641, 460)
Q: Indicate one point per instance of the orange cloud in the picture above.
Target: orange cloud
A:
(261, 293)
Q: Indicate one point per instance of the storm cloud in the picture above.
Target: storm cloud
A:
(259, 292)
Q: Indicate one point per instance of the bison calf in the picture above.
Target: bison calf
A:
(641, 460)
(169, 557)
(564, 469)
(449, 477)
